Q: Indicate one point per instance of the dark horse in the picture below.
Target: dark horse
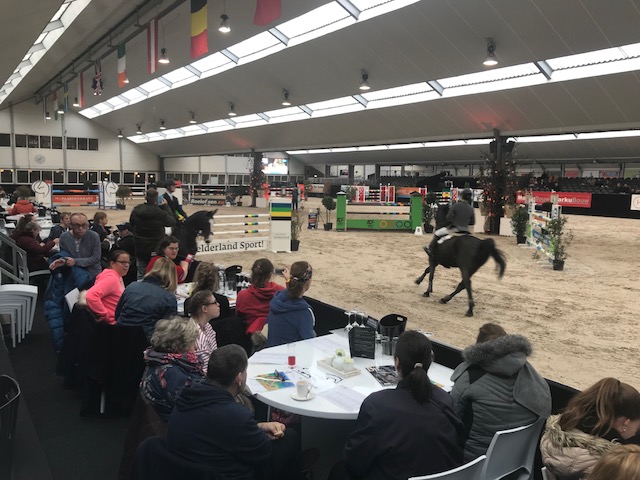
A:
(198, 223)
(466, 252)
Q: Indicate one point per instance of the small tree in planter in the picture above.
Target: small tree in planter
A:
(329, 204)
(296, 227)
(122, 193)
(560, 239)
(519, 221)
(351, 193)
(429, 209)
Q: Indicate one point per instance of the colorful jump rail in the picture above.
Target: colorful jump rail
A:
(279, 231)
(343, 223)
(536, 229)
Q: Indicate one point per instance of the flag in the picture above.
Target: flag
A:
(97, 78)
(267, 11)
(81, 89)
(65, 98)
(55, 104)
(122, 65)
(152, 44)
(199, 41)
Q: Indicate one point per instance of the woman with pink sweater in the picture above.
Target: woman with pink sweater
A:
(103, 297)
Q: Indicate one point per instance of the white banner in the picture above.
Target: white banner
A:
(635, 202)
(234, 245)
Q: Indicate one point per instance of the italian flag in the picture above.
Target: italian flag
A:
(122, 66)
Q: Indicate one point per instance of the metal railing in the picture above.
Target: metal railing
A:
(13, 261)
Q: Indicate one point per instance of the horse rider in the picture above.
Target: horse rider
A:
(173, 203)
(460, 216)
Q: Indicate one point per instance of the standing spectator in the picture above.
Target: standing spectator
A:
(204, 308)
(407, 431)
(83, 246)
(144, 303)
(173, 203)
(126, 242)
(496, 388)
(294, 198)
(29, 240)
(290, 317)
(105, 294)
(148, 221)
(22, 205)
(58, 230)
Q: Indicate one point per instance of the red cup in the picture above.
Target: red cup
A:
(291, 360)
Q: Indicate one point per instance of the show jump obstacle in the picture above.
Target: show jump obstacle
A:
(387, 220)
(273, 228)
(104, 197)
(536, 230)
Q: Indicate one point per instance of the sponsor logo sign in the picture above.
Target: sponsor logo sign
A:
(234, 245)
(635, 202)
(565, 199)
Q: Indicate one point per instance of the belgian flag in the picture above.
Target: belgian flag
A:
(199, 41)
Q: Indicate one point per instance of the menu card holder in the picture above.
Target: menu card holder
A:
(362, 342)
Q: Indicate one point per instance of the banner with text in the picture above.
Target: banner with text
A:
(234, 245)
(635, 202)
(565, 199)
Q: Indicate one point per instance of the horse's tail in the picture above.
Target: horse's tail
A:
(488, 248)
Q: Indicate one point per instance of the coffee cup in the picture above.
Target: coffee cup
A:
(303, 388)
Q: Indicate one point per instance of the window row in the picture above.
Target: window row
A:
(221, 178)
(45, 141)
(79, 177)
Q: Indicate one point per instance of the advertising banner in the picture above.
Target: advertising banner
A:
(75, 199)
(635, 202)
(565, 199)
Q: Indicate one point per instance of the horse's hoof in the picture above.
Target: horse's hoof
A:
(425, 294)
(443, 300)
(418, 281)
(468, 314)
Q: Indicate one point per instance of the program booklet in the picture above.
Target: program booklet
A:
(274, 381)
(386, 375)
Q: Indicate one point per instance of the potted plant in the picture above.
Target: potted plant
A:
(329, 204)
(296, 228)
(351, 193)
(519, 222)
(559, 240)
(429, 209)
(122, 193)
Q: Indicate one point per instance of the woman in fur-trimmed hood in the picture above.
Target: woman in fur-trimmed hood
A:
(496, 388)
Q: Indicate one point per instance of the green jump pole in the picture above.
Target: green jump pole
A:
(341, 212)
(415, 210)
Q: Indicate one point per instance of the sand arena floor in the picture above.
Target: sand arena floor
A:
(583, 322)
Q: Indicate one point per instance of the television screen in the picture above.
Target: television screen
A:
(275, 166)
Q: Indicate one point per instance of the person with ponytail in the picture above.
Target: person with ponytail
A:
(290, 317)
(408, 431)
(594, 422)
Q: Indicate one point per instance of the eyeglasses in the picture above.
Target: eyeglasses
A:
(215, 302)
(123, 262)
(79, 225)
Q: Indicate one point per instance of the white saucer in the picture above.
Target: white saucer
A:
(295, 396)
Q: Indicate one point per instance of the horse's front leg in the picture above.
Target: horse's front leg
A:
(421, 277)
(458, 289)
(432, 271)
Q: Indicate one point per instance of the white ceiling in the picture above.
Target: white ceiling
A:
(424, 41)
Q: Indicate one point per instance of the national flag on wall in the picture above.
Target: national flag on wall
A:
(267, 11)
(152, 44)
(199, 40)
(122, 65)
(81, 89)
(55, 104)
(65, 98)
(97, 78)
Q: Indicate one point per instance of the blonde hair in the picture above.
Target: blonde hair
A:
(205, 278)
(621, 463)
(174, 335)
(165, 270)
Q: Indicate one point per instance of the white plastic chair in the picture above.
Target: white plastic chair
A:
(25, 296)
(512, 450)
(14, 311)
(469, 471)
(547, 475)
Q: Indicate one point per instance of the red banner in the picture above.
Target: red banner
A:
(75, 199)
(565, 199)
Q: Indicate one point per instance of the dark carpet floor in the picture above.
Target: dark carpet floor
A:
(76, 448)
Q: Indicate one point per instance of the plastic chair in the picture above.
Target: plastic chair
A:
(231, 275)
(469, 471)
(546, 474)
(9, 401)
(512, 450)
(25, 295)
(14, 311)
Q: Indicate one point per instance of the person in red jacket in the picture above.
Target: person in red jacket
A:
(22, 206)
(29, 240)
(253, 303)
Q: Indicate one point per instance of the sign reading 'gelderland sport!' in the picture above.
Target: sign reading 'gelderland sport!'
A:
(234, 245)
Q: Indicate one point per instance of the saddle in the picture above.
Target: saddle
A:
(451, 235)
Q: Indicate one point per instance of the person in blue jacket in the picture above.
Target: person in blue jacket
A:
(290, 317)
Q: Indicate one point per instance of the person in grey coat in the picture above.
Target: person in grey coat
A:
(496, 388)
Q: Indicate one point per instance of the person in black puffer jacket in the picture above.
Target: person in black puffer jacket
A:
(496, 388)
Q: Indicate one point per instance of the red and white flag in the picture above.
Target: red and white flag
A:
(152, 44)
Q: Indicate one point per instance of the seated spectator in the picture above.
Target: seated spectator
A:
(23, 205)
(144, 303)
(206, 278)
(496, 388)
(99, 226)
(204, 308)
(208, 427)
(593, 423)
(621, 463)
(58, 230)
(171, 363)
(37, 250)
(105, 294)
(126, 242)
(19, 230)
(168, 248)
(82, 246)
(290, 317)
(407, 431)
(253, 302)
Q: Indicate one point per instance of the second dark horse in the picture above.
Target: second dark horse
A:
(468, 253)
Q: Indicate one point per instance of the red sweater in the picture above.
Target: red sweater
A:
(253, 303)
(22, 206)
(179, 269)
(103, 297)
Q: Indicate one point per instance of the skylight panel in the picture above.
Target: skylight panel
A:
(344, 149)
(291, 117)
(282, 112)
(179, 77)
(103, 107)
(172, 133)
(258, 46)
(397, 91)
(373, 8)
(490, 75)
(611, 134)
(632, 50)
(118, 102)
(333, 103)
(547, 138)
(337, 106)
(154, 87)
(41, 38)
(213, 64)
(138, 138)
(133, 95)
(316, 23)
(589, 58)
(495, 86)
(406, 146)
(372, 148)
(588, 71)
(90, 113)
(297, 152)
(404, 100)
(217, 126)
(152, 136)
(61, 10)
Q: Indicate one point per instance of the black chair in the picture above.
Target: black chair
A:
(232, 330)
(154, 462)
(231, 275)
(9, 401)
